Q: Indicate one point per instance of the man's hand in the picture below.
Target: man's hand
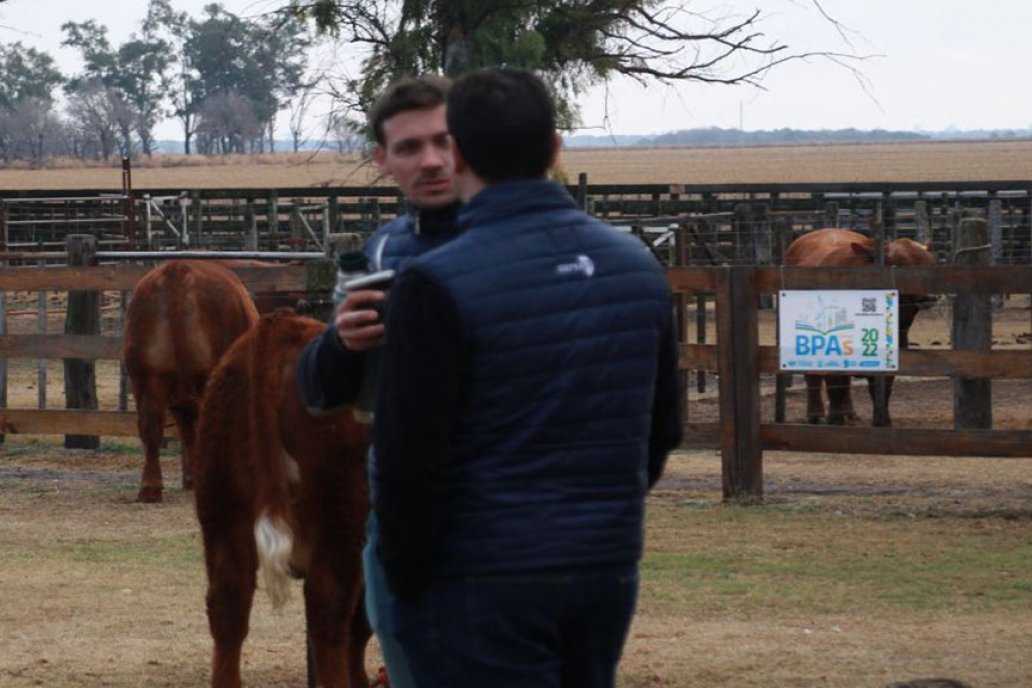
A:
(359, 327)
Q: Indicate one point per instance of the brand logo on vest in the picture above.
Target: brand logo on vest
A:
(582, 265)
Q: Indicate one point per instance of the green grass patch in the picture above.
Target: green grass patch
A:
(756, 560)
(163, 552)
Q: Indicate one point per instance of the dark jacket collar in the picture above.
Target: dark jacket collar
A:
(504, 199)
(434, 220)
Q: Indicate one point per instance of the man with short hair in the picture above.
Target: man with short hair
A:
(528, 399)
(413, 147)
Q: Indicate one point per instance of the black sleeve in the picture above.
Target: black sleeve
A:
(328, 373)
(667, 412)
(424, 362)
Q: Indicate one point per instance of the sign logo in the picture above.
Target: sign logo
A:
(839, 331)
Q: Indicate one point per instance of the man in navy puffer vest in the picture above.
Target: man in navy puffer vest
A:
(528, 399)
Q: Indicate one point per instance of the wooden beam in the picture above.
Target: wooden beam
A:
(125, 277)
(869, 440)
(88, 347)
(71, 421)
(897, 441)
(1004, 364)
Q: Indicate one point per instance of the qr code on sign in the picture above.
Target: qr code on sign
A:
(869, 305)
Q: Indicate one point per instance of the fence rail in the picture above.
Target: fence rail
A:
(725, 224)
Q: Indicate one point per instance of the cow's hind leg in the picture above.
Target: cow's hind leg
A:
(358, 639)
(331, 604)
(848, 413)
(881, 418)
(186, 421)
(840, 402)
(150, 422)
(232, 564)
(814, 399)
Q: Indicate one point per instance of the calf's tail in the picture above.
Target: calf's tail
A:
(273, 534)
(275, 541)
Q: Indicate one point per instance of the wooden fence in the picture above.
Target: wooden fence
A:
(312, 279)
(736, 358)
(727, 224)
(739, 360)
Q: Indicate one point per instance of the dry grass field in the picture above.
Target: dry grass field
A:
(919, 161)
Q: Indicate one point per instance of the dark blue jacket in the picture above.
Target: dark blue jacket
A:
(328, 374)
(559, 411)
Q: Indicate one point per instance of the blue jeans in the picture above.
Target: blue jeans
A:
(380, 603)
(562, 629)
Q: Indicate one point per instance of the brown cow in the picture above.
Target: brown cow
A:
(278, 487)
(183, 316)
(842, 247)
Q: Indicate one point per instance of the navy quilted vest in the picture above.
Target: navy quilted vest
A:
(565, 315)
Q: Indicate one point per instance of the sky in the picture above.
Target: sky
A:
(930, 65)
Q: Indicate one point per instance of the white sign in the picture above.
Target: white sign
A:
(849, 330)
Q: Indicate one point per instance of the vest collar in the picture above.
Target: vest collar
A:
(504, 199)
(434, 221)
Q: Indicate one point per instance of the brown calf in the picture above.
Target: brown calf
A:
(183, 316)
(278, 487)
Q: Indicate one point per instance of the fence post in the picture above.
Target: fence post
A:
(995, 213)
(879, 384)
(41, 329)
(972, 329)
(889, 216)
(744, 252)
(296, 223)
(3, 361)
(782, 237)
(831, 209)
(184, 210)
(195, 201)
(148, 215)
(923, 222)
(333, 214)
(83, 317)
(250, 226)
(582, 191)
(272, 219)
(737, 355)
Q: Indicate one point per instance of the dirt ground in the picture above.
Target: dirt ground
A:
(100, 591)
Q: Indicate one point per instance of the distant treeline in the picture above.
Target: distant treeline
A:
(711, 136)
(716, 136)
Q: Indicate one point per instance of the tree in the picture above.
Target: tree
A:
(574, 44)
(261, 61)
(283, 57)
(99, 117)
(134, 72)
(26, 73)
(27, 81)
(176, 29)
(226, 123)
(143, 65)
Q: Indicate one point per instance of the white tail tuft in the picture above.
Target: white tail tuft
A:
(275, 543)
